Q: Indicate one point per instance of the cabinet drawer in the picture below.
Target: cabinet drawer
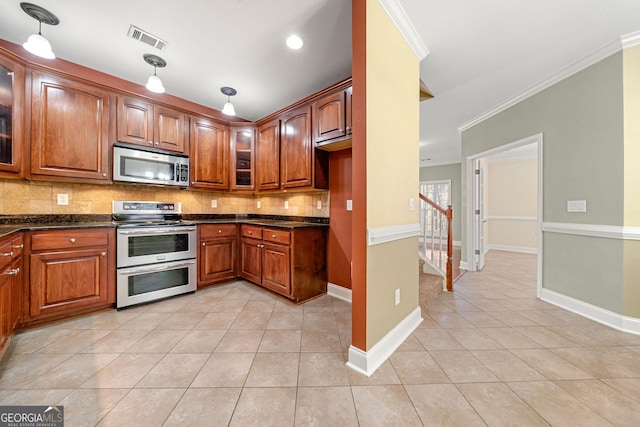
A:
(252, 231)
(6, 254)
(68, 239)
(17, 244)
(276, 236)
(217, 230)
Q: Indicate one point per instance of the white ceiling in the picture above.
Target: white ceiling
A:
(481, 52)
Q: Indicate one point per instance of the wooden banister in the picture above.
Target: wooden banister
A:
(448, 213)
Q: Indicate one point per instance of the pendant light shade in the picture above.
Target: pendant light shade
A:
(228, 106)
(37, 43)
(154, 84)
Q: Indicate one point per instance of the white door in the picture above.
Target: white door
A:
(478, 202)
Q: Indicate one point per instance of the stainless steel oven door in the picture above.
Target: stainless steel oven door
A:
(146, 283)
(151, 245)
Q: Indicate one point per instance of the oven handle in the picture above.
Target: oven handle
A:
(162, 267)
(156, 231)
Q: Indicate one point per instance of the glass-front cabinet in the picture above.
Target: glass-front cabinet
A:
(11, 115)
(243, 158)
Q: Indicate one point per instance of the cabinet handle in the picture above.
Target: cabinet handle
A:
(9, 254)
(72, 240)
(103, 254)
(12, 272)
(19, 246)
(204, 244)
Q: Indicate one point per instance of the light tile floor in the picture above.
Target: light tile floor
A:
(488, 354)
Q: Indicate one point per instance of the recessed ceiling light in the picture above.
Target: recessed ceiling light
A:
(294, 42)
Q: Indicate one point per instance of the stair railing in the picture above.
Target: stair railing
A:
(436, 227)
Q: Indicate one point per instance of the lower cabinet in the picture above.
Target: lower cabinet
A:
(11, 273)
(289, 262)
(217, 253)
(69, 271)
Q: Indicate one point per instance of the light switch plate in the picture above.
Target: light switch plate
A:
(349, 205)
(412, 204)
(286, 204)
(63, 199)
(214, 203)
(576, 205)
(258, 204)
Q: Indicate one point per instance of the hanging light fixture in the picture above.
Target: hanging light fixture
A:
(228, 106)
(36, 43)
(154, 84)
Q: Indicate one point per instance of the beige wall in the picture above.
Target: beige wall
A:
(512, 188)
(18, 197)
(631, 99)
(392, 170)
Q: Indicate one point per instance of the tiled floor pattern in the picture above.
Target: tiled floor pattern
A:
(488, 354)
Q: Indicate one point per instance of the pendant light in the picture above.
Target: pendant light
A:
(154, 84)
(36, 43)
(228, 106)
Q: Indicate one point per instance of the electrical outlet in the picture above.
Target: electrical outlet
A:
(412, 204)
(214, 203)
(286, 204)
(63, 199)
(258, 204)
(398, 296)
(319, 204)
(349, 205)
(576, 205)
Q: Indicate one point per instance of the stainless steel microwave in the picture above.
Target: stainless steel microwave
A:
(149, 167)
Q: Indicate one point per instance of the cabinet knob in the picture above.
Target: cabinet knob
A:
(18, 246)
(103, 254)
(250, 232)
(72, 240)
(157, 143)
(150, 142)
(104, 174)
(204, 244)
(12, 272)
(219, 231)
(7, 254)
(273, 236)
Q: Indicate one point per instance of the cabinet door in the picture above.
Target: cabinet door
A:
(251, 256)
(268, 156)
(209, 148)
(5, 307)
(67, 280)
(217, 260)
(296, 152)
(243, 158)
(349, 114)
(17, 276)
(276, 270)
(134, 121)
(169, 129)
(329, 118)
(11, 115)
(70, 129)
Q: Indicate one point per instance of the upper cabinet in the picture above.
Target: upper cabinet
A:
(11, 116)
(209, 154)
(243, 158)
(332, 120)
(268, 156)
(296, 151)
(70, 129)
(144, 123)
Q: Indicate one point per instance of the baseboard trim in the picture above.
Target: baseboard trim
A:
(339, 292)
(366, 363)
(464, 265)
(509, 248)
(590, 311)
(392, 232)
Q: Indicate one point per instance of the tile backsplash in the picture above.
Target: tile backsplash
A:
(20, 197)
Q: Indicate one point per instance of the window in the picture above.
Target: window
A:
(437, 191)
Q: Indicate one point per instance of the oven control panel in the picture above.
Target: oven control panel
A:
(147, 207)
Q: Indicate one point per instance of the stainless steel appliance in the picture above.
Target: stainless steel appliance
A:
(149, 167)
(156, 252)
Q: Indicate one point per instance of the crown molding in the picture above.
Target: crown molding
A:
(401, 20)
(598, 55)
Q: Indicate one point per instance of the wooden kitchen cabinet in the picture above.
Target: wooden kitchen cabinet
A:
(296, 151)
(11, 274)
(209, 154)
(243, 162)
(289, 262)
(268, 156)
(69, 271)
(217, 253)
(12, 82)
(70, 129)
(144, 123)
(332, 121)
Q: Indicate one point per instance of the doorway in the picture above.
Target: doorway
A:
(477, 219)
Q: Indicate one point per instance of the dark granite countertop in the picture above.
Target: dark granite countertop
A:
(13, 223)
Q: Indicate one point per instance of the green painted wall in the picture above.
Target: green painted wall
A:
(451, 172)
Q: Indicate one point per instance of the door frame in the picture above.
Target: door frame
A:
(472, 228)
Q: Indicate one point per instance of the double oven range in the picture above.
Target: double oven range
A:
(156, 252)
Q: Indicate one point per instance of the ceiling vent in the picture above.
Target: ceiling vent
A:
(143, 36)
